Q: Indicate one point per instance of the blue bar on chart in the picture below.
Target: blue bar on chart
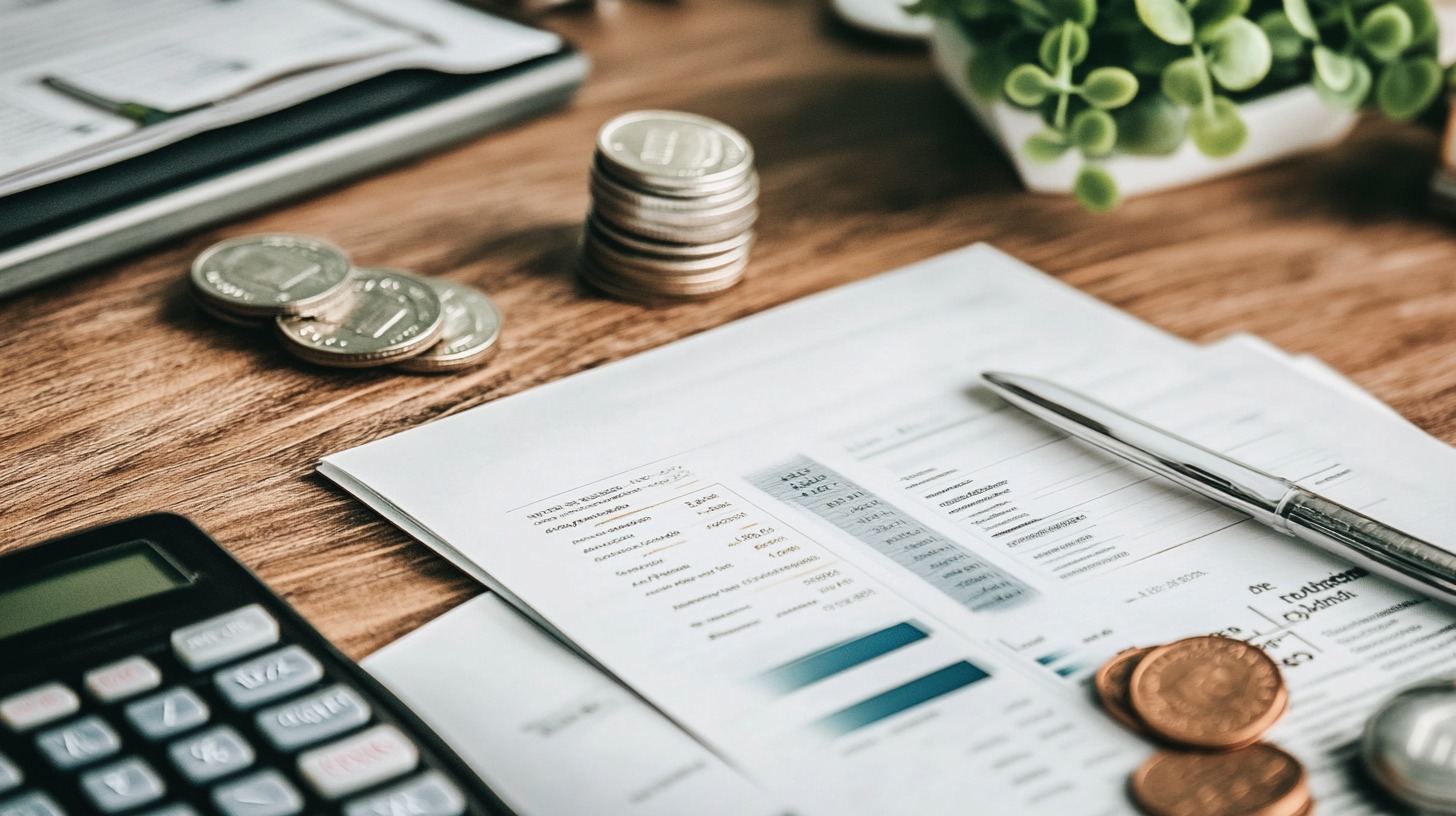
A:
(954, 677)
(949, 567)
(840, 657)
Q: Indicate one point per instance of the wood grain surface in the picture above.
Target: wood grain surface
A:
(117, 397)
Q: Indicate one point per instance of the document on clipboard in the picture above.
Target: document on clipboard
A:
(817, 543)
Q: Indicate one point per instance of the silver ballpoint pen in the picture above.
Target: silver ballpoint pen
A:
(1277, 502)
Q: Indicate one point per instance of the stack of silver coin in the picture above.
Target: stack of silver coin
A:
(328, 312)
(674, 200)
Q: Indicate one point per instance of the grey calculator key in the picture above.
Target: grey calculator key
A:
(269, 677)
(265, 793)
(85, 740)
(171, 810)
(122, 785)
(10, 775)
(211, 754)
(316, 717)
(226, 637)
(168, 714)
(31, 804)
(429, 794)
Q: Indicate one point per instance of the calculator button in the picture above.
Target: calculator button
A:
(214, 753)
(226, 637)
(355, 763)
(267, 678)
(31, 804)
(38, 706)
(318, 716)
(171, 810)
(122, 785)
(265, 793)
(167, 714)
(124, 678)
(429, 794)
(10, 775)
(85, 740)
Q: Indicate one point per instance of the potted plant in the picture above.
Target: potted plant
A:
(1110, 97)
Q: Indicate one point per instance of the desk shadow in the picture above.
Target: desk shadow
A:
(1381, 173)
(547, 251)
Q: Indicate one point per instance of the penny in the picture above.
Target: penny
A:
(268, 275)
(1112, 683)
(674, 150)
(390, 315)
(1259, 780)
(1208, 692)
(469, 336)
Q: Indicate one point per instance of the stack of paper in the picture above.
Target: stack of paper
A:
(87, 83)
(815, 545)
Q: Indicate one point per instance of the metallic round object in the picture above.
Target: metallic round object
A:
(469, 336)
(1208, 692)
(390, 315)
(604, 185)
(675, 151)
(271, 275)
(1409, 746)
(663, 249)
(1259, 780)
(1113, 683)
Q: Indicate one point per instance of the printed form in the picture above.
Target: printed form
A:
(814, 541)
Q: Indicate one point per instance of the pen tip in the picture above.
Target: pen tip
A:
(996, 377)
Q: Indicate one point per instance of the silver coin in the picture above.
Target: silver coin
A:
(267, 275)
(603, 185)
(730, 213)
(470, 334)
(389, 315)
(667, 250)
(674, 150)
(612, 286)
(616, 256)
(241, 321)
(650, 230)
(1408, 742)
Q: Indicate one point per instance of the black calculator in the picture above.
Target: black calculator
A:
(145, 672)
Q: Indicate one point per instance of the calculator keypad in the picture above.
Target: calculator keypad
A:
(227, 719)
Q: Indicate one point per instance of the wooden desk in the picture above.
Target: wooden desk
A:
(117, 397)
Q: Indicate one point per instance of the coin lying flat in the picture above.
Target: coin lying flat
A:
(675, 150)
(469, 336)
(1208, 692)
(268, 275)
(1113, 682)
(1259, 780)
(1407, 746)
(388, 316)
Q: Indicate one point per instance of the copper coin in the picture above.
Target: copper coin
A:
(1260, 780)
(1112, 682)
(1208, 692)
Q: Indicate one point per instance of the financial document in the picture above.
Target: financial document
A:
(86, 83)
(816, 543)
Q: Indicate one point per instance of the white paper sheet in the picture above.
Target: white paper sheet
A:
(812, 539)
(224, 62)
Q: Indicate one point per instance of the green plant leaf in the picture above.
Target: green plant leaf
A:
(1303, 21)
(987, 70)
(1027, 85)
(1148, 55)
(1210, 13)
(1109, 87)
(1183, 82)
(1045, 147)
(1217, 129)
(1406, 87)
(1151, 126)
(1240, 56)
(1051, 45)
(1350, 98)
(1095, 189)
(1334, 69)
(1284, 41)
(1094, 132)
(1424, 28)
(1169, 19)
(1081, 12)
(1386, 32)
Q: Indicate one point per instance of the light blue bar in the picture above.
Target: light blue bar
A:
(842, 657)
(937, 684)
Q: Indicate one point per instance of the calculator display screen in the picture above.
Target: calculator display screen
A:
(123, 574)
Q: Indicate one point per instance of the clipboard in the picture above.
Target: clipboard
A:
(80, 222)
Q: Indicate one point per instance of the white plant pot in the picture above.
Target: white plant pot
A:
(1290, 121)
